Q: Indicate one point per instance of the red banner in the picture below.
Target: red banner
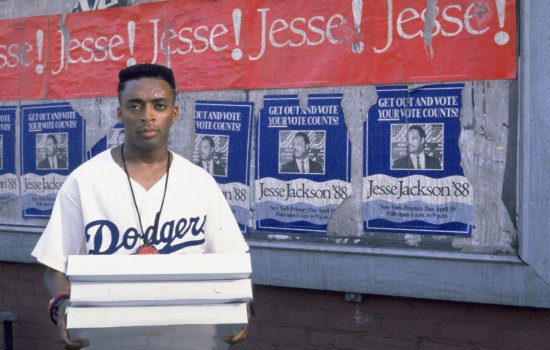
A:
(250, 44)
(23, 58)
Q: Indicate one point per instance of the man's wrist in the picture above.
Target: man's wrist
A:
(54, 305)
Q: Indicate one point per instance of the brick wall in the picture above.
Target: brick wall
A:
(288, 318)
(21, 291)
(305, 319)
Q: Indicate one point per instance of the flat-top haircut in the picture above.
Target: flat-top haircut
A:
(303, 135)
(53, 138)
(146, 70)
(209, 139)
(421, 131)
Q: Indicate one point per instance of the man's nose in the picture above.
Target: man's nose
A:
(149, 113)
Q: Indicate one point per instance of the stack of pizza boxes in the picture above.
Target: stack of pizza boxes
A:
(188, 301)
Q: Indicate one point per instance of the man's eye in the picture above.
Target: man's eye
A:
(134, 107)
(160, 106)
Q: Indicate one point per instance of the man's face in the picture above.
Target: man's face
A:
(147, 110)
(206, 152)
(300, 147)
(50, 147)
(415, 144)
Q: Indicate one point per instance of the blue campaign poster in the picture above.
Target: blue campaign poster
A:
(114, 137)
(9, 182)
(303, 163)
(222, 147)
(413, 181)
(52, 145)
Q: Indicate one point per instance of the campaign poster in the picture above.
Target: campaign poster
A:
(413, 181)
(9, 182)
(303, 159)
(52, 145)
(222, 148)
(114, 137)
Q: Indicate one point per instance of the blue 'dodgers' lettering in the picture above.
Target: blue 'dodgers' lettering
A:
(103, 231)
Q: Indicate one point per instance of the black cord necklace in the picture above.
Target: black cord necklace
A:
(143, 236)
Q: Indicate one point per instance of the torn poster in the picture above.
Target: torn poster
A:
(222, 148)
(52, 145)
(114, 137)
(303, 163)
(9, 182)
(413, 181)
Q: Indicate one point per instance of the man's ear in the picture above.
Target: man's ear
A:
(118, 115)
(175, 113)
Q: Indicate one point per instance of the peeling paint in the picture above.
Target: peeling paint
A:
(66, 41)
(431, 12)
(279, 237)
(100, 115)
(303, 100)
(346, 220)
(482, 10)
(484, 121)
(413, 240)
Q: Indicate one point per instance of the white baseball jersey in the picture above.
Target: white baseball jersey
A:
(94, 213)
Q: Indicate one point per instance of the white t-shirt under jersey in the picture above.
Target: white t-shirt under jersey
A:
(94, 214)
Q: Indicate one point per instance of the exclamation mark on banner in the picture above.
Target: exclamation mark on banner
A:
(131, 39)
(357, 8)
(237, 53)
(501, 38)
(39, 46)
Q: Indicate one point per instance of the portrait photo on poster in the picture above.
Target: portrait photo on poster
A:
(302, 152)
(417, 146)
(211, 153)
(51, 150)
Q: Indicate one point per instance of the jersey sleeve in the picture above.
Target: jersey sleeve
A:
(64, 234)
(222, 233)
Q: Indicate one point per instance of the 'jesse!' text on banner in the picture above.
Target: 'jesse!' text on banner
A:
(238, 44)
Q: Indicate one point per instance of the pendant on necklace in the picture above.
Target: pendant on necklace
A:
(147, 249)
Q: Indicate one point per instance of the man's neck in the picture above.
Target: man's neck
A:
(145, 158)
(146, 168)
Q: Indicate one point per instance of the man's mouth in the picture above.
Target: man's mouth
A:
(148, 132)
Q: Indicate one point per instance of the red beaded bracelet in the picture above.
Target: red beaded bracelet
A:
(53, 305)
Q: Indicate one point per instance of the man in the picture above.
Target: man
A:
(206, 157)
(137, 187)
(416, 158)
(52, 160)
(301, 162)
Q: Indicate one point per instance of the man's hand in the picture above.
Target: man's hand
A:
(62, 328)
(243, 333)
(56, 282)
(237, 338)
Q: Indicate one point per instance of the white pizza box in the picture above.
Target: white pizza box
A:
(156, 327)
(147, 316)
(160, 293)
(158, 267)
